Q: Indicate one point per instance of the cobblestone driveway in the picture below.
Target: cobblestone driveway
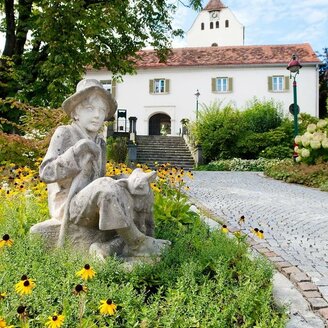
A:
(294, 218)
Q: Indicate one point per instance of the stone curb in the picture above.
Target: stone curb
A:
(298, 278)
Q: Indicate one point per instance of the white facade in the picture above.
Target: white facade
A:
(220, 28)
(180, 102)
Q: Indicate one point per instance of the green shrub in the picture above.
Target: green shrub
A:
(238, 164)
(258, 131)
(19, 150)
(218, 130)
(262, 116)
(117, 149)
(277, 152)
(309, 175)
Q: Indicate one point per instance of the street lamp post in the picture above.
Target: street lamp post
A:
(294, 66)
(197, 94)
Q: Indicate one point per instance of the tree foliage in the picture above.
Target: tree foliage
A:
(323, 84)
(49, 43)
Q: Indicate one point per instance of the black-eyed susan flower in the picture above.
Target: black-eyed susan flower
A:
(255, 231)
(55, 321)
(6, 241)
(79, 289)
(3, 323)
(260, 234)
(25, 285)
(241, 220)
(107, 307)
(155, 187)
(224, 229)
(22, 312)
(86, 273)
(3, 296)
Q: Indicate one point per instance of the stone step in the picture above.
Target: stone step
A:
(164, 153)
(163, 149)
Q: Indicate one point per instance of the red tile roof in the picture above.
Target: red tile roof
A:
(214, 5)
(232, 55)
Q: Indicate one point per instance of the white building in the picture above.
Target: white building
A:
(218, 65)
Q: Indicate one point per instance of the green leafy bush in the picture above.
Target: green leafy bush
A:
(218, 130)
(309, 175)
(259, 130)
(19, 150)
(117, 149)
(238, 164)
(262, 116)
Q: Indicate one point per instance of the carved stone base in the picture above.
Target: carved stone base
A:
(81, 237)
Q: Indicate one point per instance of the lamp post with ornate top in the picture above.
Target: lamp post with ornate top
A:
(294, 66)
(197, 94)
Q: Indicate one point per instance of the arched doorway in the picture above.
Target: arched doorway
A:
(158, 123)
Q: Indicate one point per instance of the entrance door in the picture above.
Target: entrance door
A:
(158, 123)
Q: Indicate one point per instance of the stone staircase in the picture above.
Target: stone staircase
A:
(164, 149)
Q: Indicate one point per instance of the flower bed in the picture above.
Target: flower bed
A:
(205, 279)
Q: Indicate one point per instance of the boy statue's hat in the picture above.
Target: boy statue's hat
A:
(85, 88)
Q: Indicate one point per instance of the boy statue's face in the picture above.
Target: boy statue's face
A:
(91, 113)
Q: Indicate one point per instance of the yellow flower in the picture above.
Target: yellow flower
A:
(190, 174)
(107, 307)
(154, 187)
(55, 321)
(260, 234)
(237, 234)
(86, 273)
(2, 296)
(3, 324)
(6, 241)
(224, 229)
(255, 231)
(25, 285)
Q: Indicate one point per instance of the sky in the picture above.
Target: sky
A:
(270, 22)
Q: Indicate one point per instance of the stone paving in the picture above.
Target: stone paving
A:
(294, 219)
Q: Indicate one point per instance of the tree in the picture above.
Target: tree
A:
(49, 43)
(323, 84)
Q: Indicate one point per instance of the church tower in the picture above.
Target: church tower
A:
(215, 25)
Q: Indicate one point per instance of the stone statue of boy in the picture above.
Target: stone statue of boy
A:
(95, 211)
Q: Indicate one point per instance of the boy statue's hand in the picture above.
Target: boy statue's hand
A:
(86, 147)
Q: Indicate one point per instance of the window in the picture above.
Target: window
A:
(110, 86)
(159, 86)
(222, 84)
(217, 24)
(227, 23)
(211, 25)
(278, 83)
(202, 26)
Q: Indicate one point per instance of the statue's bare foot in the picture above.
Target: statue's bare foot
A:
(147, 247)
